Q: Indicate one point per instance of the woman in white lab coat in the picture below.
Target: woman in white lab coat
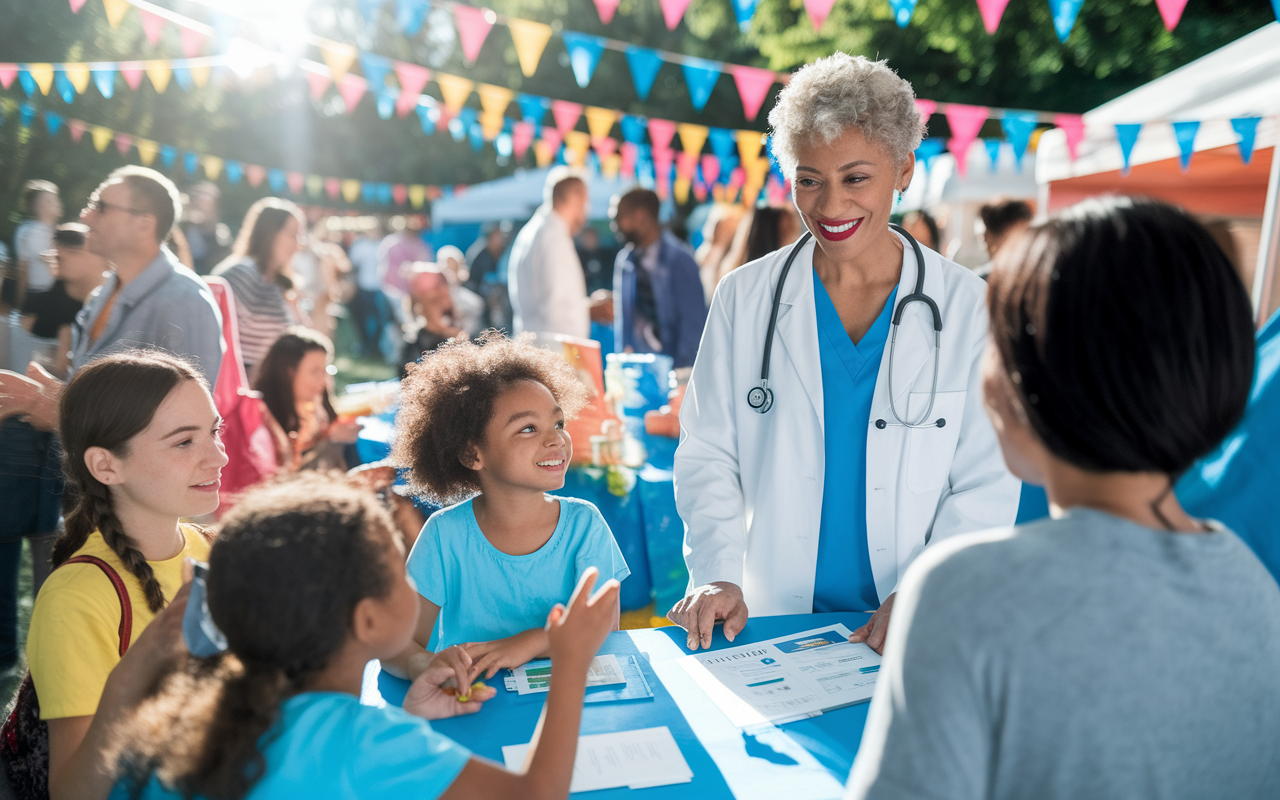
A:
(815, 490)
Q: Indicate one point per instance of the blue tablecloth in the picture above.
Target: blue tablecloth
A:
(806, 759)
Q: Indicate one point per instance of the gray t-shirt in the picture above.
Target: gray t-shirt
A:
(1083, 657)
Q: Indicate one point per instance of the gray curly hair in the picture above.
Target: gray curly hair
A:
(840, 91)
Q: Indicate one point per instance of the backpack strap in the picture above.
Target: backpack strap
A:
(122, 592)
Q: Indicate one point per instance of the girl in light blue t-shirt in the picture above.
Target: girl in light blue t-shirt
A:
(485, 420)
(307, 583)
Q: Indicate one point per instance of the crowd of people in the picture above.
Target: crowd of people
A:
(862, 451)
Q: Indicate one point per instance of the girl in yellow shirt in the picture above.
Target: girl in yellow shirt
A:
(142, 450)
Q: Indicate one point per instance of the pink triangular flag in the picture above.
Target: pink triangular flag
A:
(473, 27)
(926, 109)
(686, 163)
(521, 138)
(1171, 12)
(132, 72)
(710, 168)
(352, 89)
(1073, 128)
(630, 152)
(753, 87)
(123, 142)
(76, 5)
(662, 158)
(296, 181)
(7, 73)
(553, 139)
(737, 177)
(566, 114)
(332, 187)
(319, 82)
(965, 122)
(604, 146)
(960, 149)
(660, 133)
(76, 127)
(818, 11)
(993, 10)
(673, 12)
(152, 25)
(192, 41)
(413, 79)
(400, 193)
(255, 173)
(606, 9)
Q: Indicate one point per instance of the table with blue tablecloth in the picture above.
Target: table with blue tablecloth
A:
(809, 758)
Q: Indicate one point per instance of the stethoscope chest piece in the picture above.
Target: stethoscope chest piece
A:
(760, 398)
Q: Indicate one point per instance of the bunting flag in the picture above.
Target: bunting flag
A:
(42, 74)
(318, 83)
(52, 122)
(644, 64)
(1127, 135)
(530, 39)
(1073, 128)
(375, 69)
(101, 137)
(672, 12)
(332, 188)
(521, 137)
(26, 113)
(744, 10)
(76, 5)
(410, 15)
(1185, 133)
(1171, 12)
(147, 151)
(152, 25)
(338, 58)
(413, 79)
(116, 9)
(700, 76)
(212, 167)
(494, 101)
(352, 88)
(159, 73)
(818, 11)
(1247, 129)
(992, 11)
(965, 122)
(350, 190)
(902, 11)
(124, 142)
(661, 131)
(454, 90)
(606, 9)
(63, 88)
(1017, 127)
(993, 152)
(600, 121)
(417, 195)
(710, 168)
(473, 26)
(132, 72)
(584, 55)
(7, 73)
(77, 75)
(533, 108)
(553, 138)
(749, 145)
(1064, 16)
(76, 127)
(192, 41)
(753, 87)
(633, 129)
(566, 115)
(692, 137)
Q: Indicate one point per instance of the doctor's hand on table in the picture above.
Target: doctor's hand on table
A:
(877, 627)
(697, 613)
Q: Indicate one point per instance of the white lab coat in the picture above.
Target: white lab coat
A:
(547, 286)
(749, 486)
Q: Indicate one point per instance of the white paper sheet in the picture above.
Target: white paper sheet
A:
(637, 759)
(536, 675)
(790, 677)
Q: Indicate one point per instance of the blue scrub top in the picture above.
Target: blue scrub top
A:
(844, 581)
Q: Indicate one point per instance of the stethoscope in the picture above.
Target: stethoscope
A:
(760, 398)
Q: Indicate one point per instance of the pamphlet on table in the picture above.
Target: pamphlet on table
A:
(790, 677)
(636, 759)
(535, 676)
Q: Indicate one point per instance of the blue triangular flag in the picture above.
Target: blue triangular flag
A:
(724, 143)
(1247, 127)
(168, 155)
(460, 126)
(584, 54)
(744, 10)
(503, 145)
(26, 113)
(234, 171)
(700, 77)
(369, 192)
(1127, 134)
(1064, 16)
(105, 80)
(428, 115)
(1185, 133)
(53, 122)
(1017, 126)
(902, 11)
(457, 129)
(633, 128)
(386, 99)
(929, 150)
(644, 64)
(369, 9)
(533, 108)
(190, 162)
(446, 192)
(62, 85)
(727, 165)
(409, 15)
(28, 83)
(993, 152)
(375, 69)
(384, 193)
(277, 180)
(182, 77)
(475, 135)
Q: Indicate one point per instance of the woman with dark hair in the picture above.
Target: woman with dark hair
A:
(1121, 648)
(259, 273)
(294, 381)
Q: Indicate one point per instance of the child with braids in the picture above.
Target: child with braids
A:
(483, 422)
(307, 582)
(142, 450)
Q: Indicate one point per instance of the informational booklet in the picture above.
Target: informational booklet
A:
(536, 675)
(787, 678)
(634, 686)
(636, 759)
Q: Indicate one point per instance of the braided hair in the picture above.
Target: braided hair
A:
(106, 404)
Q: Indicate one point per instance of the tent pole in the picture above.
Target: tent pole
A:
(1268, 245)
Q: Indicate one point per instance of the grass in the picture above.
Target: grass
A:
(11, 680)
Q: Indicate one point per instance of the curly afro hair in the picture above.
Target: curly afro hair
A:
(447, 400)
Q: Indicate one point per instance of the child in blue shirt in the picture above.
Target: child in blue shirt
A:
(485, 420)
(306, 581)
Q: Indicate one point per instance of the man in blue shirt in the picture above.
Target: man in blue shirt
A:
(658, 298)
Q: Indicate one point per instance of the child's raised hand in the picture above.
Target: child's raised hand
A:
(432, 695)
(577, 632)
(507, 653)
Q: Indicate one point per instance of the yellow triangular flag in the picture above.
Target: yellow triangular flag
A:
(749, 144)
(682, 190)
(692, 137)
(200, 76)
(494, 99)
(339, 58)
(576, 144)
(212, 167)
(530, 39)
(147, 150)
(543, 153)
(351, 190)
(454, 90)
(600, 121)
(491, 125)
(159, 73)
(417, 194)
(611, 166)
(115, 10)
(102, 137)
(43, 74)
(315, 185)
(78, 74)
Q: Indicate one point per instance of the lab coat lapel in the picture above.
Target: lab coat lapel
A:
(798, 326)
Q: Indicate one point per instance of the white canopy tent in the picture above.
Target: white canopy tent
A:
(516, 197)
(1239, 80)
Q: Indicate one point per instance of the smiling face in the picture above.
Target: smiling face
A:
(844, 192)
(526, 445)
(311, 376)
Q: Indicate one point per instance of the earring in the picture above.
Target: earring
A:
(897, 200)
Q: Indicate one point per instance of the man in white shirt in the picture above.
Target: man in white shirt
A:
(545, 278)
(369, 307)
